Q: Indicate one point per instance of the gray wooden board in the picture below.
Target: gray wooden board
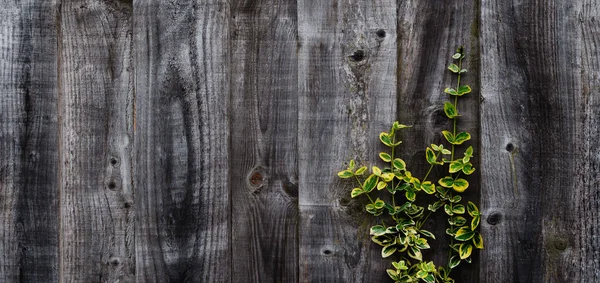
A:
(28, 142)
(540, 163)
(428, 34)
(181, 141)
(263, 152)
(347, 86)
(95, 120)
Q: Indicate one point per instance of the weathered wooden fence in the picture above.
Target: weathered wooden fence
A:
(198, 141)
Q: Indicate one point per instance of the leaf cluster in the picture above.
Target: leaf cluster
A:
(400, 233)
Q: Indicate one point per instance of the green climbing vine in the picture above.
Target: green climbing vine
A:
(400, 233)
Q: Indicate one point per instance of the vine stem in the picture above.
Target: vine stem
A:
(456, 102)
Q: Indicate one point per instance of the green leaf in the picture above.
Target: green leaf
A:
(445, 151)
(464, 89)
(382, 241)
(377, 230)
(430, 155)
(460, 185)
(385, 139)
(475, 222)
(472, 209)
(435, 147)
(356, 192)
(399, 164)
(446, 182)
(360, 170)
(435, 206)
(454, 262)
(379, 204)
(392, 274)
(388, 251)
(381, 186)
(454, 68)
(455, 199)
(398, 126)
(415, 253)
(464, 234)
(376, 170)
(458, 209)
(385, 157)
(351, 165)
(427, 234)
(460, 138)
(429, 278)
(478, 240)
(449, 136)
(410, 195)
(450, 110)
(469, 152)
(443, 191)
(451, 231)
(457, 221)
(448, 209)
(456, 166)
(421, 274)
(345, 174)
(422, 243)
(468, 169)
(428, 187)
(465, 250)
(456, 56)
(370, 183)
(450, 91)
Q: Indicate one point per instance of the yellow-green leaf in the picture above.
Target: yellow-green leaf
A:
(351, 165)
(464, 234)
(376, 170)
(399, 164)
(454, 68)
(356, 192)
(458, 209)
(392, 274)
(377, 230)
(370, 183)
(449, 136)
(379, 204)
(456, 166)
(446, 182)
(460, 185)
(385, 157)
(468, 169)
(388, 251)
(478, 240)
(450, 110)
(410, 195)
(454, 262)
(430, 155)
(472, 209)
(360, 170)
(345, 174)
(381, 186)
(465, 250)
(415, 253)
(460, 138)
(463, 89)
(385, 139)
(428, 187)
(475, 222)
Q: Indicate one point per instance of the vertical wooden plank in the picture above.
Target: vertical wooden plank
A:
(264, 119)
(95, 120)
(540, 124)
(347, 87)
(28, 142)
(181, 141)
(428, 34)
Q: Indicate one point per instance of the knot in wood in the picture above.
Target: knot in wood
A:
(256, 178)
(358, 55)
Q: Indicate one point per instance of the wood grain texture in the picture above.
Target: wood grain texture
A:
(28, 142)
(347, 86)
(95, 123)
(264, 117)
(428, 34)
(181, 141)
(540, 163)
